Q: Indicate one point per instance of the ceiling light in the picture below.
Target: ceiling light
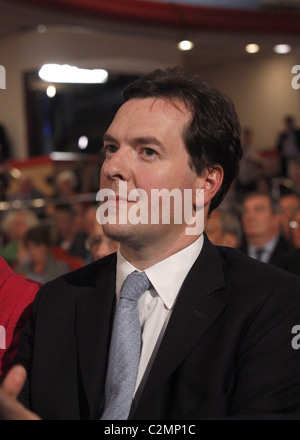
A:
(252, 48)
(185, 45)
(72, 74)
(83, 142)
(51, 91)
(41, 28)
(282, 48)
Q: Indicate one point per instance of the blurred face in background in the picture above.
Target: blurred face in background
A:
(259, 220)
(37, 252)
(294, 227)
(288, 204)
(99, 244)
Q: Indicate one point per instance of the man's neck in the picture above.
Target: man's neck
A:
(143, 257)
(259, 241)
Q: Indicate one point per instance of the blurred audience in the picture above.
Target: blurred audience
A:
(224, 228)
(294, 174)
(15, 224)
(290, 260)
(261, 222)
(66, 184)
(65, 233)
(99, 245)
(288, 145)
(26, 189)
(27, 192)
(251, 165)
(287, 203)
(41, 265)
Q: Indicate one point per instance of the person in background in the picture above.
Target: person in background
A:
(16, 297)
(65, 233)
(27, 193)
(41, 265)
(288, 144)
(15, 224)
(223, 228)
(261, 222)
(99, 244)
(287, 203)
(251, 166)
(290, 260)
(66, 184)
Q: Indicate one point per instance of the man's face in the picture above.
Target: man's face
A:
(295, 232)
(258, 218)
(144, 147)
(37, 252)
(287, 203)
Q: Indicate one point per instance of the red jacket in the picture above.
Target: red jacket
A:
(16, 297)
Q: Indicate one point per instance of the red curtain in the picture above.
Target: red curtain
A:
(175, 15)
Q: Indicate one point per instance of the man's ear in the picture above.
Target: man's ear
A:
(210, 182)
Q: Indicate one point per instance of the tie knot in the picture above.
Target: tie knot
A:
(259, 252)
(135, 285)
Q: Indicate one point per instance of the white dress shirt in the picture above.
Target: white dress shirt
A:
(156, 304)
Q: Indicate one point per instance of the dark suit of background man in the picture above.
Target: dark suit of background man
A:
(288, 144)
(216, 325)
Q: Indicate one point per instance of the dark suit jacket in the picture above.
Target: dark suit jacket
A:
(281, 247)
(226, 351)
(283, 136)
(289, 261)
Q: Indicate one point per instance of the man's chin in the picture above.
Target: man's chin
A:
(118, 232)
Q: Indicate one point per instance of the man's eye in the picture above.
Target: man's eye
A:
(110, 148)
(149, 152)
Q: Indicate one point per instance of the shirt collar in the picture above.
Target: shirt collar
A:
(267, 247)
(176, 267)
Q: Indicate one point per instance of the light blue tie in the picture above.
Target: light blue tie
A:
(125, 348)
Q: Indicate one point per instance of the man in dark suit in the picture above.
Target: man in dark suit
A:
(288, 144)
(217, 326)
(261, 220)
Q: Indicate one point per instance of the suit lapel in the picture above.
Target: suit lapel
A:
(95, 312)
(194, 311)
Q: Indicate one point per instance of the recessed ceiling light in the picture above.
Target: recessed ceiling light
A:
(282, 48)
(41, 28)
(185, 45)
(51, 91)
(252, 48)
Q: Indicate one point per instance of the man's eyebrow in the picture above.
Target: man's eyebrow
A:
(108, 138)
(148, 140)
(142, 140)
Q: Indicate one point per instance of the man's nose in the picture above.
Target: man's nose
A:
(117, 166)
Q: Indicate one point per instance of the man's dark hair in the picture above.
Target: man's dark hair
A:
(275, 208)
(213, 135)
